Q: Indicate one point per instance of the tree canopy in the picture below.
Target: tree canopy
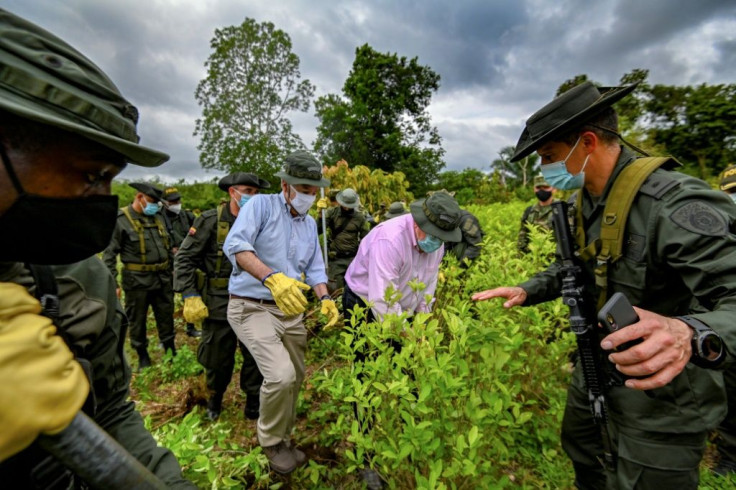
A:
(380, 120)
(252, 83)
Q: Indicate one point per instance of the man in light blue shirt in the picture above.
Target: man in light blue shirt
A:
(271, 244)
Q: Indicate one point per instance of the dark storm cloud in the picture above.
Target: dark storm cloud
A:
(499, 61)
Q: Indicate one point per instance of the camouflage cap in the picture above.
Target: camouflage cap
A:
(301, 167)
(540, 181)
(44, 79)
(728, 178)
(171, 194)
(348, 198)
(242, 178)
(395, 209)
(147, 189)
(438, 215)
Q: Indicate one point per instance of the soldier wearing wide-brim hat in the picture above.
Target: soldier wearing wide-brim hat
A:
(667, 248)
(57, 108)
(346, 226)
(539, 213)
(206, 295)
(395, 209)
(144, 243)
(274, 242)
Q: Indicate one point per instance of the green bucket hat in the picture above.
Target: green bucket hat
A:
(395, 209)
(438, 215)
(301, 167)
(44, 79)
(570, 109)
(728, 178)
(348, 198)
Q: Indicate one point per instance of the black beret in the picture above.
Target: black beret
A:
(148, 190)
(242, 178)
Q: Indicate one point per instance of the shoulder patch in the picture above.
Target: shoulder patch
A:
(192, 231)
(700, 218)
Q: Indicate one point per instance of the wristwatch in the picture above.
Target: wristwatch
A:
(707, 345)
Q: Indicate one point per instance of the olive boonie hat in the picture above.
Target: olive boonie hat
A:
(171, 194)
(540, 181)
(728, 178)
(348, 198)
(242, 178)
(148, 189)
(394, 210)
(438, 215)
(44, 79)
(570, 109)
(301, 167)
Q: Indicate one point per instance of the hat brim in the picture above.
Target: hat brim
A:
(225, 185)
(173, 197)
(528, 144)
(392, 215)
(417, 212)
(133, 152)
(729, 186)
(346, 205)
(289, 179)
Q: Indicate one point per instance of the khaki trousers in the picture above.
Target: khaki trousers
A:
(278, 344)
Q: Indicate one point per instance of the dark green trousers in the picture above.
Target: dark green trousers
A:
(136, 308)
(645, 460)
(217, 354)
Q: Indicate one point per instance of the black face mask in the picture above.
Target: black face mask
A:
(347, 212)
(45, 230)
(543, 195)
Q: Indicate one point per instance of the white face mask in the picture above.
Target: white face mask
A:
(175, 208)
(301, 202)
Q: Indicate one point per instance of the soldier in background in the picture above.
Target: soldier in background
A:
(201, 256)
(178, 222)
(395, 209)
(469, 247)
(144, 245)
(346, 226)
(539, 214)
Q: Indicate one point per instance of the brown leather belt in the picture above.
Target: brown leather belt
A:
(254, 300)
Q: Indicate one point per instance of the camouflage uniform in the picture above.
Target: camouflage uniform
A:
(146, 278)
(538, 215)
(347, 229)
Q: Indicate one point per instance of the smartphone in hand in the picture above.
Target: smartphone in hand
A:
(616, 314)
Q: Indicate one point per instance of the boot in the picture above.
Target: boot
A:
(252, 406)
(169, 345)
(280, 458)
(214, 406)
(144, 360)
(192, 331)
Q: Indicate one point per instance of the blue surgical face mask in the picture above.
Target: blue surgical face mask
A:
(429, 244)
(151, 208)
(556, 174)
(244, 198)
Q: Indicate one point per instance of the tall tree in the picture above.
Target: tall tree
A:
(381, 119)
(695, 124)
(515, 174)
(252, 82)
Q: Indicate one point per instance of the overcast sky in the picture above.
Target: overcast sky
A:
(499, 60)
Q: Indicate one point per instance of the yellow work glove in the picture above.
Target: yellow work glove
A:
(323, 203)
(194, 309)
(42, 387)
(287, 293)
(329, 309)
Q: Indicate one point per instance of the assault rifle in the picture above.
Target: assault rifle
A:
(583, 321)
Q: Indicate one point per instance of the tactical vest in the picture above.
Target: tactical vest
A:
(608, 248)
(223, 228)
(139, 227)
